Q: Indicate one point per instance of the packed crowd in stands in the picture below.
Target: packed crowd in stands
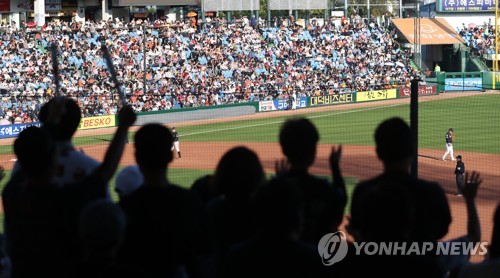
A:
(236, 222)
(189, 67)
(480, 38)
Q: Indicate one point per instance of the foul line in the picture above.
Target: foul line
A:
(282, 121)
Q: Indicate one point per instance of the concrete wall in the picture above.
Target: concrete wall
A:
(179, 116)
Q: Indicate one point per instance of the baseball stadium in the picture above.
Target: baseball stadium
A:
(177, 112)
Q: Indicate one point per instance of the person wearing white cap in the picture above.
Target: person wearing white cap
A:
(128, 180)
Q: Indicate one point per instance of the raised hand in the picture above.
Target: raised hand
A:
(126, 116)
(472, 182)
(335, 157)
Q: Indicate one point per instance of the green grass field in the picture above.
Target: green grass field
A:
(475, 120)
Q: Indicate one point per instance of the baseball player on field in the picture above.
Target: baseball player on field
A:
(175, 136)
(449, 137)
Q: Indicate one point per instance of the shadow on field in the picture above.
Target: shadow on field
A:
(429, 157)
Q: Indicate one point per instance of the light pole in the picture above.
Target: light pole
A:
(144, 58)
(416, 38)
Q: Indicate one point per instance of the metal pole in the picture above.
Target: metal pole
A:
(345, 8)
(268, 13)
(400, 8)
(144, 59)
(368, 10)
(202, 14)
(495, 58)
(414, 126)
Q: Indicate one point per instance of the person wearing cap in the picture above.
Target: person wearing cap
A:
(128, 180)
(449, 144)
(459, 175)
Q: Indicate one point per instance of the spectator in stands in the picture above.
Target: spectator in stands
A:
(184, 68)
(276, 250)
(490, 267)
(164, 231)
(101, 229)
(237, 177)
(203, 186)
(128, 180)
(73, 165)
(383, 203)
(394, 148)
(298, 139)
(41, 218)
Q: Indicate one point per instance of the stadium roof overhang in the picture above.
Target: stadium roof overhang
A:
(433, 31)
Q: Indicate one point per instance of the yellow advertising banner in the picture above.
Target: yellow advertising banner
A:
(376, 95)
(97, 122)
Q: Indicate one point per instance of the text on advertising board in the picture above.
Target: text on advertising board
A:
(8, 131)
(422, 91)
(467, 5)
(97, 122)
(463, 84)
(267, 105)
(331, 99)
(376, 95)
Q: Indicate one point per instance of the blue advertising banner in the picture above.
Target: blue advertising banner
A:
(283, 104)
(466, 5)
(463, 84)
(9, 131)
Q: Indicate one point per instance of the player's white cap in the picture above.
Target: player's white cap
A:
(128, 180)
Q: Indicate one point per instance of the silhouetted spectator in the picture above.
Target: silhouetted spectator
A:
(276, 250)
(237, 177)
(5, 262)
(387, 214)
(41, 218)
(387, 217)
(164, 233)
(394, 148)
(101, 230)
(72, 165)
(490, 266)
(452, 262)
(323, 203)
(204, 188)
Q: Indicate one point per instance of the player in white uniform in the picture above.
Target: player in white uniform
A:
(175, 136)
(449, 144)
(294, 100)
